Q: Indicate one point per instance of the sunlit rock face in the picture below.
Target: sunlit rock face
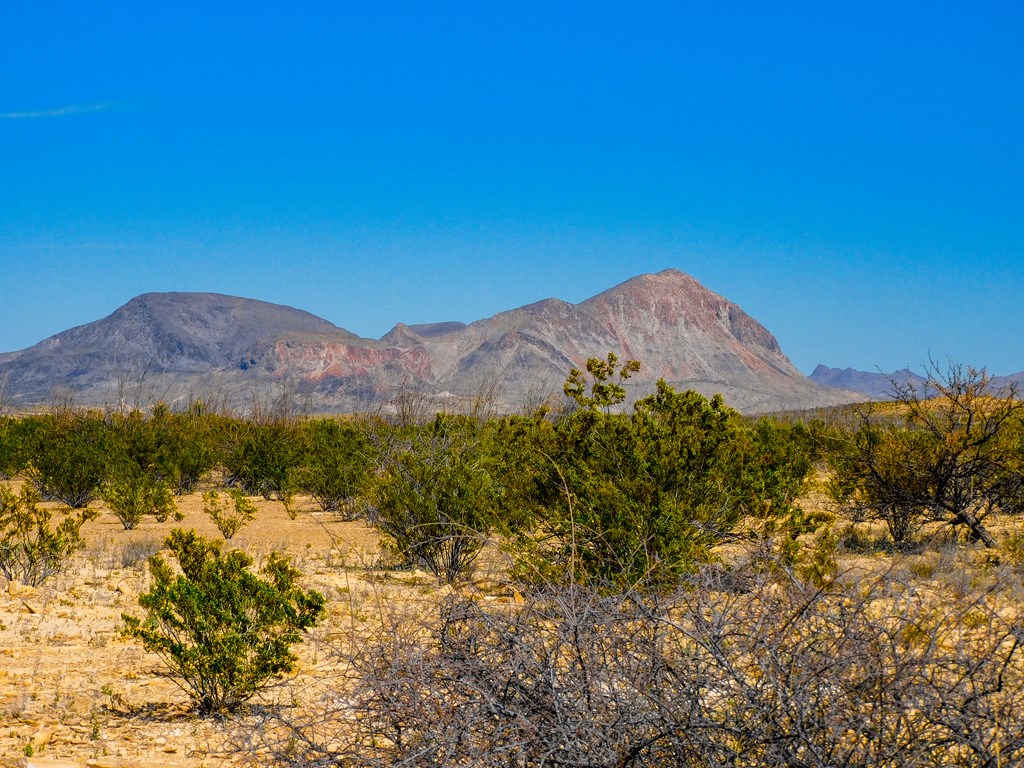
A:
(181, 346)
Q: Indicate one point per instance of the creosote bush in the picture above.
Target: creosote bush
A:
(69, 456)
(31, 548)
(174, 448)
(260, 457)
(224, 632)
(435, 501)
(230, 515)
(133, 495)
(643, 497)
(334, 465)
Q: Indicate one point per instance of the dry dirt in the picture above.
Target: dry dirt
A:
(73, 692)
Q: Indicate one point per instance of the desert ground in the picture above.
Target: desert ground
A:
(74, 692)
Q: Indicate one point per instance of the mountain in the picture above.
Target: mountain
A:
(1014, 380)
(177, 346)
(877, 386)
(880, 386)
(169, 338)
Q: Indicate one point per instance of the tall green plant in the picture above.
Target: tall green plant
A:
(436, 501)
(641, 498)
(223, 632)
(10, 447)
(69, 455)
(175, 449)
(260, 457)
(335, 459)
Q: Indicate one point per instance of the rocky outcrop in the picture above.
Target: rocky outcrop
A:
(176, 345)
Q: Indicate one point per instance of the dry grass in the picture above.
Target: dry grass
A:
(71, 687)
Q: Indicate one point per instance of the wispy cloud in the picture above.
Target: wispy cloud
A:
(72, 109)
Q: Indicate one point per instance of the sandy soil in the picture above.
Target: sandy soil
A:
(74, 692)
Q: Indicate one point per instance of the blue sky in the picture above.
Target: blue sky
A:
(851, 174)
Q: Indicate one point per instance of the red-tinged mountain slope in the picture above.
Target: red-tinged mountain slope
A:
(679, 330)
(176, 346)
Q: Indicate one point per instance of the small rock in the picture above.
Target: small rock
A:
(17, 589)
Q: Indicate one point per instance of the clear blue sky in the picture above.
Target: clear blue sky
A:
(851, 174)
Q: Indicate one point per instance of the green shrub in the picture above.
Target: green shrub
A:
(436, 501)
(629, 499)
(175, 448)
(643, 497)
(223, 632)
(260, 458)
(133, 495)
(10, 447)
(334, 464)
(31, 550)
(69, 455)
(229, 517)
(193, 436)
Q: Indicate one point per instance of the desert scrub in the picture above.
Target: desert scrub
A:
(31, 548)
(229, 516)
(224, 632)
(334, 465)
(134, 495)
(68, 455)
(435, 503)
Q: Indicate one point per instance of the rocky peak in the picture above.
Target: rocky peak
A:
(678, 329)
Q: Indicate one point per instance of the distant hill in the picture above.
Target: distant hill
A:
(877, 386)
(880, 386)
(177, 346)
(167, 337)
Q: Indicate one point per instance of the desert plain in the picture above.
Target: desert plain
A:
(74, 692)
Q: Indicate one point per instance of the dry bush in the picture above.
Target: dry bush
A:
(868, 673)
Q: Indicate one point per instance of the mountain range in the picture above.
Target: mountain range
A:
(875, 385)
(883, 386)
(181, 346)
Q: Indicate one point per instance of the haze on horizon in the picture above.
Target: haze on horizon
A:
(849, 175)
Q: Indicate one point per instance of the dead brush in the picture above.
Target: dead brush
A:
(865, 671)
